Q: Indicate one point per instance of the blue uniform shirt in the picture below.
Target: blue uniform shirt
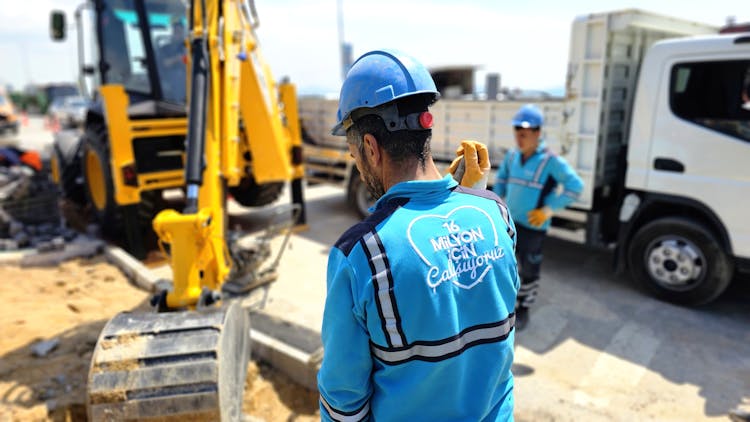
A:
(418, 320)
(534, 183)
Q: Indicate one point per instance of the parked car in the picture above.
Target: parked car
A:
(68, 111)
(8, 116)
(56, 90)
(73, 111)
(54, 108)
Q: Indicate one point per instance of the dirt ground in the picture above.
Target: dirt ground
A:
(71, 303)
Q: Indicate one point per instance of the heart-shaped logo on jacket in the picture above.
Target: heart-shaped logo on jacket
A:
(458, 247)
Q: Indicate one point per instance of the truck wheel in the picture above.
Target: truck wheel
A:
(358, 196)
(680, 261)
(250, 194)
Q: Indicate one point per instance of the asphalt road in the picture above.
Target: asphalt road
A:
(598, 348)
(604, 350)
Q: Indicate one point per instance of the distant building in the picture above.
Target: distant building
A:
(454, 81)
(458, 82)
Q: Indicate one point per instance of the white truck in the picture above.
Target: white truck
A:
(656, 121)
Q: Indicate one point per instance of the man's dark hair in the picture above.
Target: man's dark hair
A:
(401, 145)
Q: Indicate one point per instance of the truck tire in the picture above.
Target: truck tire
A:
(358, 196)
(250, 194)
(680, 261)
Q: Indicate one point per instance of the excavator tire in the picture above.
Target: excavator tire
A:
(173, 366)
(251, 194)
(117, 222)
(97, 176)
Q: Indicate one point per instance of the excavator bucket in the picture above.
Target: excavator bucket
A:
(188, 365)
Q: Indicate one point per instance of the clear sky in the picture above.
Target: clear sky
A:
(525, 41)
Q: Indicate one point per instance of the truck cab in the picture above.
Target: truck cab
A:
(684, 216)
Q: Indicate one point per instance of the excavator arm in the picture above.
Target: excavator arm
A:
(236, 110)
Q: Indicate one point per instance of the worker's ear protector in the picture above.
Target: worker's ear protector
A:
(393, 121)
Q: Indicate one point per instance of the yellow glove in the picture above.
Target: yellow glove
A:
(538, 216)
(476, 165)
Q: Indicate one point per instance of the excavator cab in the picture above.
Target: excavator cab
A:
(138, 45)
(143, 49)
(133, 146)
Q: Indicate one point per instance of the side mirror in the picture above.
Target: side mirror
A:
(57, 25)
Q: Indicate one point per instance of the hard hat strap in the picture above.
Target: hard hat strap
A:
(393, 121)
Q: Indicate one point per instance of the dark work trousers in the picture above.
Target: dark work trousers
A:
(529, 257)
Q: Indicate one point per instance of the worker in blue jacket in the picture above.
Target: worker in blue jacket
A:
(418, 321)
(535, 182)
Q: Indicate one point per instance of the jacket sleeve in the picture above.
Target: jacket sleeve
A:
(501, 180)
(572, 184)
(344, 375)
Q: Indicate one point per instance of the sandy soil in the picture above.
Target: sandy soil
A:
(71, 303)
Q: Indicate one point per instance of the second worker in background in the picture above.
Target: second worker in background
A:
(529, 179)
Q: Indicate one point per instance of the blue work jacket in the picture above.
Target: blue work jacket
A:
(418, 321)
(534, 183)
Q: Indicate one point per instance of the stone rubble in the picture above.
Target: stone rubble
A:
(30, 216)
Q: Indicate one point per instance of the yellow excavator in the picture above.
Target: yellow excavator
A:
(214, 123)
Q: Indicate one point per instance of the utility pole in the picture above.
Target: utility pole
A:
(345, 48)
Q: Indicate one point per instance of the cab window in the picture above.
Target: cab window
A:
(715, 95)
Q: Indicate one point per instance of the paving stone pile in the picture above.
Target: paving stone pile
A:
(30, 214)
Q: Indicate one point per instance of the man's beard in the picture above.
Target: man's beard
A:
(374, 185)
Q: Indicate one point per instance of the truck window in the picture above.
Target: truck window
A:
(715, 95)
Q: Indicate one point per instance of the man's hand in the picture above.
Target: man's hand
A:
(538, 216)
(476, 164)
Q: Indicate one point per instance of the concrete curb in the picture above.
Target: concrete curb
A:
(15, 257)
(298, 365)
(135, 271)
(32, 257)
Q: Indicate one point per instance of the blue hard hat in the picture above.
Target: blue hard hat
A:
(377, 78)
(529, 116)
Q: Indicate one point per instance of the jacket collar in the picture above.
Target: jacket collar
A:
(417, 188)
